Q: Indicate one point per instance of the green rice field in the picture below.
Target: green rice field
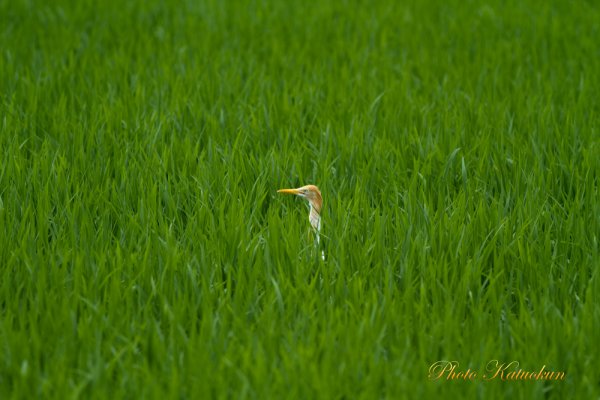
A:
(146, 254)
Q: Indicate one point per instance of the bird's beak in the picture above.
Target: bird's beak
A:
(289, 191)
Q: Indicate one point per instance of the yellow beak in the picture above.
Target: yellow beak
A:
(289, 191)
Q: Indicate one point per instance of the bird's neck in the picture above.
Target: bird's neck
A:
(315, 218)
(315, 204)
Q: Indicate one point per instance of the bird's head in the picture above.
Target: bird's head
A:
(309, 192)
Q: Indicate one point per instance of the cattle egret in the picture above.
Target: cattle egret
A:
(312, 194)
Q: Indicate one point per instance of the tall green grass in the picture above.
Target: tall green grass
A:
(146, 254)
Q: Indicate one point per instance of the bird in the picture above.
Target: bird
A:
(313, 195)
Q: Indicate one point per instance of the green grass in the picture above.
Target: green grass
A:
(145, 253)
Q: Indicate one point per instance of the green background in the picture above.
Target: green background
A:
(145, 252)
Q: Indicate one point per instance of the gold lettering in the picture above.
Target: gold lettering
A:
(439, 368)
(541, 373)
(490, 367)
(510, 364)
(494, 369)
